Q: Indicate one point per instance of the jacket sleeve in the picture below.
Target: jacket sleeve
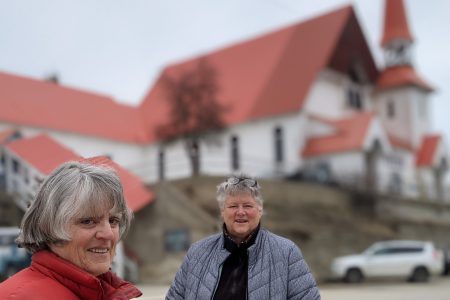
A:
(177, 289)
(301, 283)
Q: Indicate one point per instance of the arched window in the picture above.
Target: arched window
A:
(279, 145)
(234, 153)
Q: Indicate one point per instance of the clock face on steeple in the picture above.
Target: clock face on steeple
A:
(397, 53)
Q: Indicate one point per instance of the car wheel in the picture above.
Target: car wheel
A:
(420, 274)
(353, 275)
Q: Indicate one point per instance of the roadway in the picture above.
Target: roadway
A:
(437, 289)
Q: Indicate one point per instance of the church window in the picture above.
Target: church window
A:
(279, 147)
(16, 166)
(354, 98)
(161, 164)
(390, 109)
(234, 153)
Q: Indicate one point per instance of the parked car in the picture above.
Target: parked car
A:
(413, 260)
(12, 258)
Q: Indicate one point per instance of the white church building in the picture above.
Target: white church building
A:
(307, 99)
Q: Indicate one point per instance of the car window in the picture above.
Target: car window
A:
(398, 250)
(382, 251)
(409, 250)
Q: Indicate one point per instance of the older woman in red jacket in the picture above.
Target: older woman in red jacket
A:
(72, 229)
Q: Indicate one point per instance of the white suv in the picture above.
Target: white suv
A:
(414, 260)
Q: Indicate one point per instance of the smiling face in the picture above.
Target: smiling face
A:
(241, 214)
(93, 243)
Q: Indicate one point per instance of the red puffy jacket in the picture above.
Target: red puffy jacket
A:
(51, 277)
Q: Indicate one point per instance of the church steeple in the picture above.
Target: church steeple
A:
(397, 38)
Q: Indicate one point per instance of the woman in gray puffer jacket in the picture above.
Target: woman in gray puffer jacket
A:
(245, 261)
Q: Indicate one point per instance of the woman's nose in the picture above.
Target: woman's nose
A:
(240, 210)
(104, 231)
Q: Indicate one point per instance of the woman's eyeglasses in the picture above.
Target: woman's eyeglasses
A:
(248, 182)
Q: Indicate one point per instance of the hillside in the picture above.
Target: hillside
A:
(324, 221)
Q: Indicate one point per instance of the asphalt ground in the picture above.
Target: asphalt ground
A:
(438, 288)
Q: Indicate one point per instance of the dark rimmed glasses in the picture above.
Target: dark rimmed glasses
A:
(248, 182)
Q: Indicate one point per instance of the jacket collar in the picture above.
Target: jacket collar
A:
(253, 250)
(232, 246)
(81, 283)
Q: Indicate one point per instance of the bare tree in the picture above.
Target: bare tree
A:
(195, 111)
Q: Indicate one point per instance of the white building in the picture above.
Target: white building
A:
(305, 99)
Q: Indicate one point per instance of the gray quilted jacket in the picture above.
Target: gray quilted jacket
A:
(276, 270)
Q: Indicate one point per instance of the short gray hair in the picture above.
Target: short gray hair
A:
(236, 185)
(72, 190)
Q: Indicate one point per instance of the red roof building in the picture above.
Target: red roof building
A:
(271, 85)
(42, 152)
(272, 75)
(47, 105)
(43, 155)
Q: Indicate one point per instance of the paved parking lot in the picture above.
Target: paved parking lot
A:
(437, 289)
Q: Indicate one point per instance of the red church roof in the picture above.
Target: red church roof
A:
(42, 152)
(44, 104)
(261, 77)
(265, 76)
(350, 136)
(427, 151)
(401, 76)
(395, 22)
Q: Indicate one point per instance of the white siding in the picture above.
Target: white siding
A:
(328, 96)
(256, 150)
(23, 184)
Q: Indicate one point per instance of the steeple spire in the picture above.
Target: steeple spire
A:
(395, 23)
(397, 39)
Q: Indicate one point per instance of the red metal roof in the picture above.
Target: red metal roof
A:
(401, 76)
(350, 135)
(400, 143)
(45, 154)
(395, 22)
(6, 134)
(42, 152)
(265, 76)
(261, 77)
(427, 151)
(136, 193)
(44, 104)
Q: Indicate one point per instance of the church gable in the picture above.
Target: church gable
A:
(352, 54)
(264, 77)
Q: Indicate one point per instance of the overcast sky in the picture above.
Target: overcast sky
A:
(118, 47)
